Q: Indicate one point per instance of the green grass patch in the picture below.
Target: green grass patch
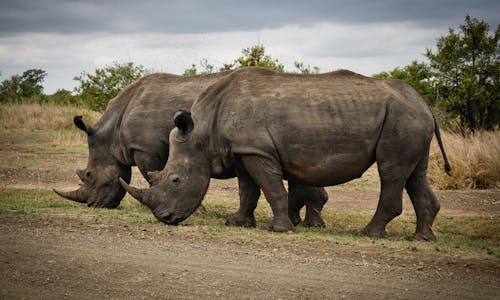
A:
(69, 141)
(29, 200)
(471, 234)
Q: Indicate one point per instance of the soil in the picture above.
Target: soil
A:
(57, 257)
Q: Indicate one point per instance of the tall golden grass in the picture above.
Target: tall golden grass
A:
(35, 116)
(475, 158)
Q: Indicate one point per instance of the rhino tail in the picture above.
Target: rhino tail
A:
(437, 132)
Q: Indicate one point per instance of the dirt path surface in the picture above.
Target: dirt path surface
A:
(50, 258)
(47, 256)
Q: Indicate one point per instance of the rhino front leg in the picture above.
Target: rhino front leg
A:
(267, 175)
(249, 193)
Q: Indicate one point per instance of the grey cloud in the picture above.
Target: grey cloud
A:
(190, 16)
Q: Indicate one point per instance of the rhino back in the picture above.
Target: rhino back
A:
(147, 119)
(293, 118)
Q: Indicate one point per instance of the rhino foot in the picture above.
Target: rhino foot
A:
(295, 218)
(428, 236)
(373, 233)
(281, 226)
(240, 220)
(315, 221)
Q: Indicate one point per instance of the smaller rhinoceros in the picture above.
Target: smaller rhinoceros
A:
(133, 131)
(319, 130)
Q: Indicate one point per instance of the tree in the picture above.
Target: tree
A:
(416, 74)
(64, 97)
(256, 56)
(97, 89)
(466, 69)
(205, 67)
(251, 56)
(19, 87)
(303, 69)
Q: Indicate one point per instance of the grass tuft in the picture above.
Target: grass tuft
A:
(475, 161)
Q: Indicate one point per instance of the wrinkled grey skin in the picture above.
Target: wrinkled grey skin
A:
(133, 131)
(318, 130)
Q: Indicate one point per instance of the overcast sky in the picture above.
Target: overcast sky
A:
(65, 38)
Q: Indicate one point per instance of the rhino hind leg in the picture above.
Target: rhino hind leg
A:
(402, 163)
(390, 205)
(424, 201)
(295, 203)
(314, 198)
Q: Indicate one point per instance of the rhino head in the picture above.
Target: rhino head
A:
(176, 191)
(100, 179)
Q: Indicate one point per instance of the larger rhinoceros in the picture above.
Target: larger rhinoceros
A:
(133, 131)
(318, 130)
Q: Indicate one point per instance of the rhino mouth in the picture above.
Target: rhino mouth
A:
(170, 218)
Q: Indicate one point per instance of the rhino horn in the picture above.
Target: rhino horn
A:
(81, 174)
(73, 195)
(136, 193)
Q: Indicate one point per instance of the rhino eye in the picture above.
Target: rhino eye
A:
(174, 179)
(87, 174)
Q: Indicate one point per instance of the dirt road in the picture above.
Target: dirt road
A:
(46, 256)
(53, 258)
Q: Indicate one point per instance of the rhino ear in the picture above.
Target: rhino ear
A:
(80, 124)
(183, 121)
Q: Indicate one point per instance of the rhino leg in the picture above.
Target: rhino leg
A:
(397, 157)
(314, 204)
(268, 176)
(390, 205)
(424, 201)
(295, 203)
(314, 198)
(249, 193)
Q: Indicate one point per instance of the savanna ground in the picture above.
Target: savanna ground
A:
(53, 248)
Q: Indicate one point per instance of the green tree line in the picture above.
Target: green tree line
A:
(459, 80)
(461, 77)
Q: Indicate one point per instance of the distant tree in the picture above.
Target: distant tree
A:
(466, 69)
(64, 97)
(205, 67)
(97, 89)
(251, 56)
(24, 86)
(256, 56)
(303, 69)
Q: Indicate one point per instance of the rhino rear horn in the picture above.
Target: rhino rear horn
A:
(73, 195)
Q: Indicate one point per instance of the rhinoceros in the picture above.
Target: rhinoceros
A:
(133, 131)
(319, 130)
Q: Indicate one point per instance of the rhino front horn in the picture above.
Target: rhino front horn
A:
(73, 195)
(135, 192)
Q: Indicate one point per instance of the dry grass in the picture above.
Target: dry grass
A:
(42, 117)
(475, 161)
